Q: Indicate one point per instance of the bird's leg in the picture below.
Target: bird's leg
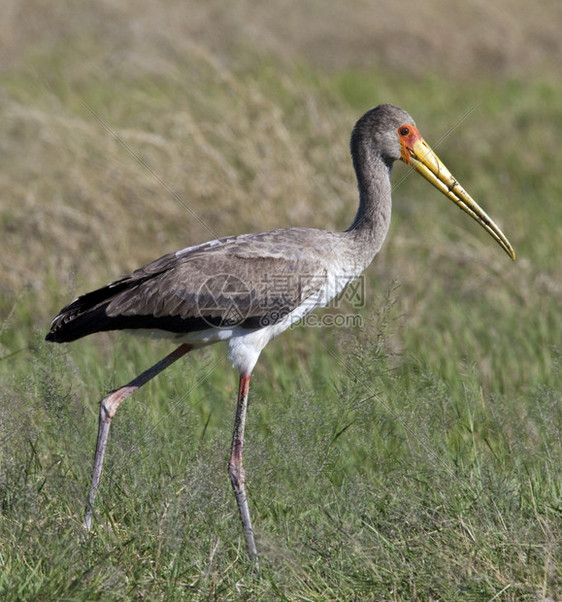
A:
(108, 407)
(236, 470)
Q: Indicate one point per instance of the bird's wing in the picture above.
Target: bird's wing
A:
(250, 280)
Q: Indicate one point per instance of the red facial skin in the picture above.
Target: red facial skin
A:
(408, 135)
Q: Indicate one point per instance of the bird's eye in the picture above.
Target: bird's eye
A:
(404, 131)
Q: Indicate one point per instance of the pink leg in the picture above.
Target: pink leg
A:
(108, 407)
(236, 470)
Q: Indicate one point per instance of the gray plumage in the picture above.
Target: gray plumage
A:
(188, 291)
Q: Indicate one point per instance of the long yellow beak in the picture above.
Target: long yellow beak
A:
(417, 153)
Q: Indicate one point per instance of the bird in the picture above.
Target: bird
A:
(224, 290)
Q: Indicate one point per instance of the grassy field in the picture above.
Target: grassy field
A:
(416, 457)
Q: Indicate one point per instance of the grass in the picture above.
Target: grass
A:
(415, 458)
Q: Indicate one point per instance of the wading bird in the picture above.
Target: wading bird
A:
(222, 290)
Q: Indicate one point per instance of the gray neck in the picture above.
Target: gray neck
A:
(372, 221)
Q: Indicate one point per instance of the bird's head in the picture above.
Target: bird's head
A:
(394, 135)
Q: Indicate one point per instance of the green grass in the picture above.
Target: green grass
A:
(416, 458)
